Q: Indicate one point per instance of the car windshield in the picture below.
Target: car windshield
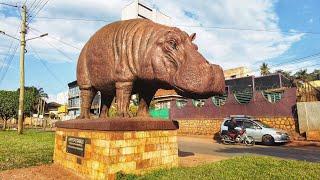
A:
(262, 124)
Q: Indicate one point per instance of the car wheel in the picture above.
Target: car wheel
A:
(268, 140)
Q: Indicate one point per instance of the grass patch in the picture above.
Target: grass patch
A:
(32, 148)
(246, 167)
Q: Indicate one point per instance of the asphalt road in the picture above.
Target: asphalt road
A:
(189, 146)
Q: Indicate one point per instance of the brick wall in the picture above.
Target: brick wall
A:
(111, 151)
(211, 127)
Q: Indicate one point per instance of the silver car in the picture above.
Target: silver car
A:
(260, 131)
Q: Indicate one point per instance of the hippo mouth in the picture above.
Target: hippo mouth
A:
(179, 89)
(190, 94)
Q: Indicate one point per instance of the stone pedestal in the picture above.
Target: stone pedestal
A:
(100, 148)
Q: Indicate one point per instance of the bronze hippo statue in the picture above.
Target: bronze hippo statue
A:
(140, 56)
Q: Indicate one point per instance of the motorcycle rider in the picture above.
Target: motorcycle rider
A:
(232, 127)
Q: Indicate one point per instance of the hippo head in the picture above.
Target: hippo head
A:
(178, 63)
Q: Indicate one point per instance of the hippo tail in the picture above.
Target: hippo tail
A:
(83, 77)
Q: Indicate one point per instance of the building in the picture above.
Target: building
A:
(242, 90)
(138, 9)
(74, 101)
(237, 72)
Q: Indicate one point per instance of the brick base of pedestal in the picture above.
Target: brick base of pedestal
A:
(107, 150)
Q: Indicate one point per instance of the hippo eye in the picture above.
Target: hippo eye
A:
(173, 44)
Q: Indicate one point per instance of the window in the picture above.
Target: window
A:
(219, 100)
(226, 123)
(180, 103)
(238, 122)
(262, 124)
(272, 97)
(243, 97)
(248, 124)
(162, 105)
(198, 102)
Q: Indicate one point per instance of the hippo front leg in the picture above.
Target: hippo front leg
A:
(123, 94)
(145, 96)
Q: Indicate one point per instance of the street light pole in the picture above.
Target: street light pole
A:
(22, 54)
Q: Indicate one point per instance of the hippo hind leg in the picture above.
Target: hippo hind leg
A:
(106, 101)
(87, 95)
(123, 94)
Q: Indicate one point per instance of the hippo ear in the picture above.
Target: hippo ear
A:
(193, 36)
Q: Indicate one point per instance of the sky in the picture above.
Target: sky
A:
(229, 33)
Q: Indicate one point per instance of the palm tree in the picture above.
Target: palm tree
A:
(302, 75)
(264, 69)
(41, 93)
(286, 74)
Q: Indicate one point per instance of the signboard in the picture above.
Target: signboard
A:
(76, 145)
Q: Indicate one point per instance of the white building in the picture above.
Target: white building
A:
(138, 9)
(61, 98)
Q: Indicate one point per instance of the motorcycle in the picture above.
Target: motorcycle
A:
(237, 138)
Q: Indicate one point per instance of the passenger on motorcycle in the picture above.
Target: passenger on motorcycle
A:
(232, 127)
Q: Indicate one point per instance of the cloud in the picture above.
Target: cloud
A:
(227, 47)
(61, 98)
(310, 20)
(232, 47)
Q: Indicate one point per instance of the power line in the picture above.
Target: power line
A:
(317, 64)
(34, 8)
(73, 19)
(249, 29)
(57, 39)
(9, 64)
(8, 4)
(38, 11)
(11, 44)
(290, 62)
(194, 26)
(45, 65)
(31, 6)
(58, 50)
(301, 59)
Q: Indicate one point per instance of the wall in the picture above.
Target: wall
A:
(211, 127)
(257, 107)
(308, 113)
(309, 116)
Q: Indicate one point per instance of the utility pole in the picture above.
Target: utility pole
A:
(22, 53)
(23, 41)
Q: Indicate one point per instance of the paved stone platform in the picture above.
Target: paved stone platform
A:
(100, 148)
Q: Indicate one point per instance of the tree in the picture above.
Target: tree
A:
(303, 75)
(315, 74)
(9, 101)
(264, 69)
(286, 74)
(32, 99)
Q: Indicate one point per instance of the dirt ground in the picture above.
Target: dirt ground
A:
(303, 144)
(43, 172)
(197, 159)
